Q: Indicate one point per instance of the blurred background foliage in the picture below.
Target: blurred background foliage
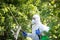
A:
(23, 10)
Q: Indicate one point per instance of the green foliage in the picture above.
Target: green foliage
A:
(23, 10)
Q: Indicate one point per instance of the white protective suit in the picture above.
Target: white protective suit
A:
(37, 25)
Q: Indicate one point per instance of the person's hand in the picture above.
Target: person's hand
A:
(24, 34)
(38, 32)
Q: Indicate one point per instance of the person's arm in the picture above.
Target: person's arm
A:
(25, 34)
(43, 28)
(29, 35)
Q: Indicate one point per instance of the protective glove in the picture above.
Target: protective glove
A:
(24, 34)
(38, 32)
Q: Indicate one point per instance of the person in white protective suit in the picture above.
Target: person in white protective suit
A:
(37, 28)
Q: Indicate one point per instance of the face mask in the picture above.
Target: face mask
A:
(33, 21)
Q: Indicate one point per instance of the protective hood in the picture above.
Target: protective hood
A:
(36, 19)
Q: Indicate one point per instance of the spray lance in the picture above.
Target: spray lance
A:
(18, 27)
